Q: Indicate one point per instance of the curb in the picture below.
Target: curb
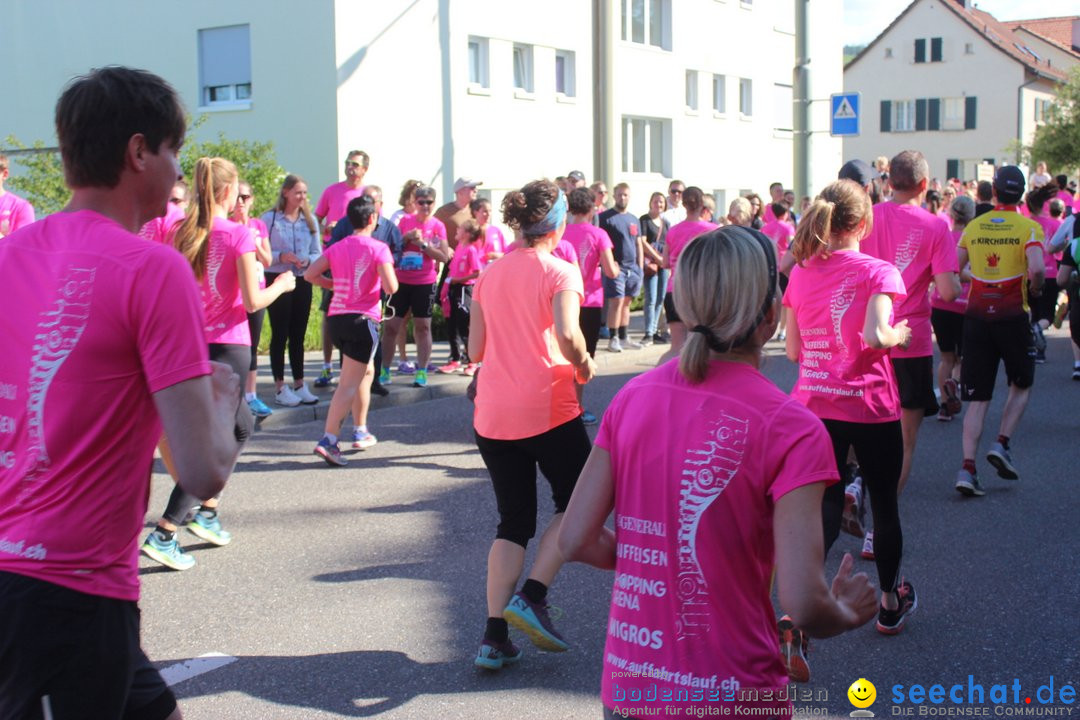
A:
(439, 387)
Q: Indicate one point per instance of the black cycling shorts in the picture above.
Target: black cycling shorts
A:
(986, 343)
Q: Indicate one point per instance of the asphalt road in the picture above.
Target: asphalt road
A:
(359, 592)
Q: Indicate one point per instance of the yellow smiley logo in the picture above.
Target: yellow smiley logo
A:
(862, 693)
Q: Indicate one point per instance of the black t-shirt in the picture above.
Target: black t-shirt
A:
(981, 208)
(623, 229)
(654, 235)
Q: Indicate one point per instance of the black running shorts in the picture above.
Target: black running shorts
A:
(948, 329)
(915, 381)
(66, 654)
(419, 299)
(986, 343)
(590, 319)
(357, 336)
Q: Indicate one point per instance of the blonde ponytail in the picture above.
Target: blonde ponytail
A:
(839, 210)
(213, 176)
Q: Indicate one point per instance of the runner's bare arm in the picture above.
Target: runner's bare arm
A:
(477, 332)
(948, 285)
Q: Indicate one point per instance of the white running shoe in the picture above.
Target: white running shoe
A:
(614, 345)
(286, 397)
(304, 395)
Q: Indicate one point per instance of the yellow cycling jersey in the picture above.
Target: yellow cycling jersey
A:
(997, 244)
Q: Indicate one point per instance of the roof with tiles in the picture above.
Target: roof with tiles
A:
(997, 33)
(1057, 30)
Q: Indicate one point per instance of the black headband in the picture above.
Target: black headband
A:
(770, 256)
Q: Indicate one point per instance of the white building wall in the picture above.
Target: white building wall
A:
(987, 74)
(291, 60)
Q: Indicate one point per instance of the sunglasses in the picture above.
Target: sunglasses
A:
(243, 198)
(425, 202)
(350, 163)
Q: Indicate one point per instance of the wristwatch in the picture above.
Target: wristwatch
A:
(423, 245)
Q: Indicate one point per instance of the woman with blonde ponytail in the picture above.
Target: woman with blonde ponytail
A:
(706, 501)
(839, 330)
(222, 257)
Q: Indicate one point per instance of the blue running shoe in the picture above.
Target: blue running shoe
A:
(260, 409)
(330, 452)
(362, 440)
(493, 655)
(384, 376)
(533, 620)
(324, 379)
(167, 552)
(421, 378)
(588, 418)
(209, 529)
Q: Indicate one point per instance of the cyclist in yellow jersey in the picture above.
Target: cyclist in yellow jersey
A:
(1006, 254)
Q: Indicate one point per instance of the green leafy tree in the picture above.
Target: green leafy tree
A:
(41, 180)
(256, 162)
(1057, 142)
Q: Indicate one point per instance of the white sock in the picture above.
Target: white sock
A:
(249, 396)
(331, 438)
(327, 366)
(361, 429)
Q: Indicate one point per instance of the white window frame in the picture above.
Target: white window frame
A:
(231, 88)
(646, 145)
(522, 58)
(653, 13)
(692, 83)
(479, 67)
(952, 113)
(903, 116)
(567, 74)
(719, 94)
(746, 97)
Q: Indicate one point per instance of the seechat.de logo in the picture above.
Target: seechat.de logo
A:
(862, 694)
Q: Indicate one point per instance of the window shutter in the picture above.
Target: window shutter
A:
(969, 113)
(952, 168)
(920, 114)
(935, 115)
(920, 50)
(886, 116)
(935, 50)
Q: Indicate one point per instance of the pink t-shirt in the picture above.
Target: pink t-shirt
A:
(840, 376)
(494, 241)
(527, 386)
(105, 319)
(335, 200)
(160, 228)
(590, 242)
(417, 268)
(565, 251)
(466, 261)
(918, 244)
(1050, 226)
(15, 213)
(697, 472)
(780, 232)
(354, 266)
(678, 237)
(223, 305)
(959, 305)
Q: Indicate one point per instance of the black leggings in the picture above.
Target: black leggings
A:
(181, 505)
(560, 452)
(589, 318)
(288, 324)
(457, 325)
(879, 448)
(255, 323)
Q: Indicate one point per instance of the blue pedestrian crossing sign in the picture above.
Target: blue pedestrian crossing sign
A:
(844, 114)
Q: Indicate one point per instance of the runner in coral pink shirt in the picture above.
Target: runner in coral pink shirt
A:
(918, 244)
(525, 331)
(687, 459)
(840, 329)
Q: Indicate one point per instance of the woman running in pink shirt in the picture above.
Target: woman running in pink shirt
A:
(707, 504)
(839, 329)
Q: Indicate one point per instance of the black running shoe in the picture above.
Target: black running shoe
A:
(891, 622)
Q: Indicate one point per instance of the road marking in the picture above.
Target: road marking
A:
(180, 672)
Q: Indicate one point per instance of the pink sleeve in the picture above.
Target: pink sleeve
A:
(474, 260)
(324, 203)
(168, 319)
(244, 240)
(809, 457)
(791, 295)
(886, 279)
(24, 215)
(382, 255)
(944, 259)
(440, 230)
(603, 241)
(566, 277)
